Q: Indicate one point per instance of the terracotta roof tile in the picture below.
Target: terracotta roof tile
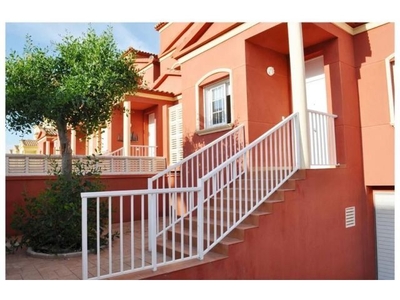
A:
(29, 143)
(141, 53)
(50, 131)
(160, 25)
(158, 92)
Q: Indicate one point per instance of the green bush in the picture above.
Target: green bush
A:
(51, 222)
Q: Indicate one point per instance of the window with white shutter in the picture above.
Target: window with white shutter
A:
(175, 134)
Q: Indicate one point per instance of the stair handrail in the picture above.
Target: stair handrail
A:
(231, 163)
(213, 182)
(170, 177)
(174, 169)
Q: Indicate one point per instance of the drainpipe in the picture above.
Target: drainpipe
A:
(299, 100)
(127, 127)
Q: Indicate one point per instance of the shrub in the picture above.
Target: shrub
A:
(51, 222)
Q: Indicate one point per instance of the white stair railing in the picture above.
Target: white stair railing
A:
(226, 195)
(231, 192)
(186, 172)
(187, 222)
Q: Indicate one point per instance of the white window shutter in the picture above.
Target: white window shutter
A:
(175, 133)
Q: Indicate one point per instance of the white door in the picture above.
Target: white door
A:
(317, 101)
(175, 133)
(315, 85)
(384, 218)
(152, 135)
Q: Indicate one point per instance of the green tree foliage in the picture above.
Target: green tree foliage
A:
(52, 221)
(76, 86)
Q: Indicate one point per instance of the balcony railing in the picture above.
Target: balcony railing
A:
(34, 164)
(135, 150)
(322, 139)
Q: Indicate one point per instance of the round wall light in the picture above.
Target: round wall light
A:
(270, 71)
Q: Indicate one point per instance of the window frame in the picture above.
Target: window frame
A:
(224, 73)
(390, 79)
(208, 102)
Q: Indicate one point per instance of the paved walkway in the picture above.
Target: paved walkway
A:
(21, 266)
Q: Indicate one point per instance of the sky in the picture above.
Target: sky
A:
(139, 35)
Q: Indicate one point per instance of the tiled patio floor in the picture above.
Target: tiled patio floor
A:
(22, 266)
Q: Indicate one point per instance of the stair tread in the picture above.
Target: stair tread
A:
(218, 222)
(255, 212)
(226, 240)
(186, 264)
(178, 246)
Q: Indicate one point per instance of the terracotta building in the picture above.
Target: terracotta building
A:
(209, 78)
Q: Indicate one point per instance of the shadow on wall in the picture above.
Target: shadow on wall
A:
(193, 141)
(362, 50)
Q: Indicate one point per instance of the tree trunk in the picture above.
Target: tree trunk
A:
(65, 149)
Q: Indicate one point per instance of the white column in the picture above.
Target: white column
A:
(299, 100)
(48, 148)
(73, 141)
(91, 144)
(127, 128)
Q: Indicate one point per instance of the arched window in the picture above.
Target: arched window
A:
(214, 100)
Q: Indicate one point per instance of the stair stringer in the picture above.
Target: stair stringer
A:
(221, 253)
(237, 236)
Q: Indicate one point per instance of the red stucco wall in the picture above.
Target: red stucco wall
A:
(268, 97)
(32, 185)
(371, 50)
(305, 236)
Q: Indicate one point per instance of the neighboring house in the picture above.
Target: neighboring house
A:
(26, 147)
(210, 77)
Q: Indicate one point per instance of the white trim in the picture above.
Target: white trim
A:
(174, 65)
(359, 29)
(215, 129)
(153, 96)
(165, 56)
(216, 41)
(165, 26)
(367, 27)
(146, 68)
(390, 86)
(197, 86)
(345, 27)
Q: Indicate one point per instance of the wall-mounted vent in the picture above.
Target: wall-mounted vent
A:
(350, 214)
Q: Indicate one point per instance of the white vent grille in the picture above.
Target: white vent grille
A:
(350, 216)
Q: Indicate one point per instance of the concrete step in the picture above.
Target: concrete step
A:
(190, 238)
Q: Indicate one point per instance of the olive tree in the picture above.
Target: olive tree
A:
(76, 86)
